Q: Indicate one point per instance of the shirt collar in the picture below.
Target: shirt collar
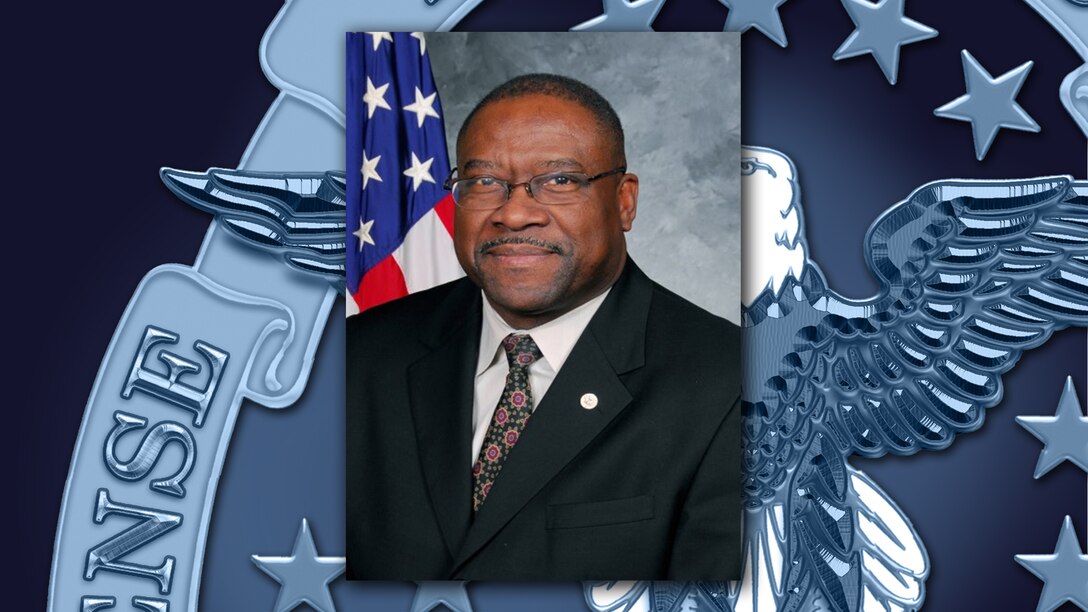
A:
(555, 339)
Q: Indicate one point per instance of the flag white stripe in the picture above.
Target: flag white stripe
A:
(349, 304)
(426, 257)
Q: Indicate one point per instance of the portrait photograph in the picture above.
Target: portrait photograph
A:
(543, 277)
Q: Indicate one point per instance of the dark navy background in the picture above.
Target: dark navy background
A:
(98, 97)
(104, 95)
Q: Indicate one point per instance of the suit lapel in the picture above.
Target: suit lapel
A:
(440, 387)
(561, 427)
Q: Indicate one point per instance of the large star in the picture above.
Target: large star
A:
(989, 104)
(762, 14)
(375, 98)
(420, 172)
(1065, 434)
(378, 37)
(423, 107)
(363, 233)
(304, 577)
(430, 595)
(370, 169)
(1064, 573)
(623, 16)
(881, 29)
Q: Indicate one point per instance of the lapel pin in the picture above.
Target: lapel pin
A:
(589, 401)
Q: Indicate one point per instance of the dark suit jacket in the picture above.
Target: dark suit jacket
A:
(644, 486)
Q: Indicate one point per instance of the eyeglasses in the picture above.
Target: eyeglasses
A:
(553, 189)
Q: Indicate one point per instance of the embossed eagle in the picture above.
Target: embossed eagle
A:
(972, 274)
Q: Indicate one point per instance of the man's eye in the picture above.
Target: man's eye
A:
(562, 182)
(480, 183)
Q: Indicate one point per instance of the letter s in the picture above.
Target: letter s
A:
(144, 459)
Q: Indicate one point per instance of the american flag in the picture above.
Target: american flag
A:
(399, 218)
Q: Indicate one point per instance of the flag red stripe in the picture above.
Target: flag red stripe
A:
(384, 282)
(444, 208)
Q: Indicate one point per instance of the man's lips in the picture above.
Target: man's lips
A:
(518, 256)
(518, 250)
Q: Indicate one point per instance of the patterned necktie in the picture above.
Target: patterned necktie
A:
(513, 412)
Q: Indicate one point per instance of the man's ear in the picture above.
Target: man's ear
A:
(627, 198)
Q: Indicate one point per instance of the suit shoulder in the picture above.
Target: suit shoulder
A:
(409, 310)
(692, 354)
(690, 324)
(411, 316)
(690, 344)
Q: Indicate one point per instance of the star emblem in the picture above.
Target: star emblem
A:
(304, 577)
(363, 233)
(423, 107)
(989, 104)
(1063, 573)
(375, 98)
(378, 37)
(761, 14)
(623, 16)
(881, 29)
(420, 172)
(422, 42)
(370, 169)
(430, 595)
(1065, 434)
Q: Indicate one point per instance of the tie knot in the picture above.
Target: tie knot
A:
(521, 350)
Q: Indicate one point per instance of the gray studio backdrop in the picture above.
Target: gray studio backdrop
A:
(678, 96)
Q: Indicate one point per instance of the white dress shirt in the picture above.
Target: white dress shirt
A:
(555, 339)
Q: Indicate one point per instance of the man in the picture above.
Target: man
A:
(556, 415)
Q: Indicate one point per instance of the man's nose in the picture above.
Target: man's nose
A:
(520, 210)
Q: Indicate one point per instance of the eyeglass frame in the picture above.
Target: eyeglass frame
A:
(449, 183)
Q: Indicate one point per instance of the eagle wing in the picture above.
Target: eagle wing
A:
(974, 273)
(298, 216)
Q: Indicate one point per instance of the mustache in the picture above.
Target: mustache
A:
(490, 244)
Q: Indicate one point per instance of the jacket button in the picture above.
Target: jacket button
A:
(589, 401)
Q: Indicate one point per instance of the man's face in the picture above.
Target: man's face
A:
(535, 261)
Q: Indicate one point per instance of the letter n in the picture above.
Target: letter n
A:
(108, 554)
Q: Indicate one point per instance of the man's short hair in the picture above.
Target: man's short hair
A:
(561, 87)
